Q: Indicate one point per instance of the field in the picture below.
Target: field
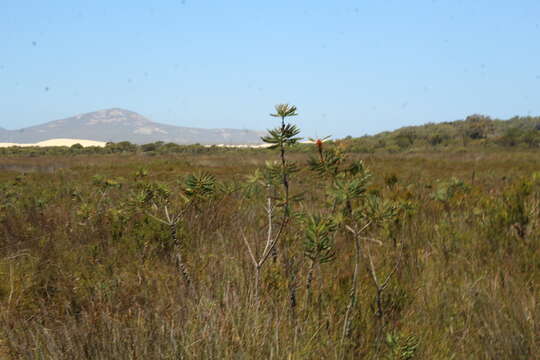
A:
(212, 256)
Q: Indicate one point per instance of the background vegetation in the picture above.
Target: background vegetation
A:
(475, 133)
(413, 255)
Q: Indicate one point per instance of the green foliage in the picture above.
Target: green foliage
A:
(348, 188)
(200, 186)
(377, 210)
(284, 110)
(328, 163)
(318, 239)
(518, 208)
(446, 190)
(474, 133)
(106, 183)
(141, 173)
(283, 136)
(401, 347)
(515, 136)
(405, 138)
(286, 134)
(477, 126)
(153, 193)
(274, 170)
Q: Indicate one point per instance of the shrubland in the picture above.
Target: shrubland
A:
(476, 133)
(271, 254)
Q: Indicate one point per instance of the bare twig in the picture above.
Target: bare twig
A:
(381, 286)
(353, 291)
(271, 242)
(172, 221)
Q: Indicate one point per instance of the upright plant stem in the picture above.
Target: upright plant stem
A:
(285, 183)
(284, 172)
(257, 277)
(352, 293)
(182, 268)
(309, 281)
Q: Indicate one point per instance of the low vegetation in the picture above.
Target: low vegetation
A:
(271, 254)
(475, 133)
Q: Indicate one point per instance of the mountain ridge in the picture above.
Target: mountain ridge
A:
(117, 124)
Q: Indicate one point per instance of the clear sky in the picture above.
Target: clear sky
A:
(351, 67)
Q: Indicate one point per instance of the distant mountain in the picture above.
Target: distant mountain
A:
(117, 125)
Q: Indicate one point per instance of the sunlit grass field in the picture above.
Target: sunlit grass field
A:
(88, 268)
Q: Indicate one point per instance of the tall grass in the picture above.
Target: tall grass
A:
(87, 273)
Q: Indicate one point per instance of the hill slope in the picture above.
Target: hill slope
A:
(475, 130)
(116, 125)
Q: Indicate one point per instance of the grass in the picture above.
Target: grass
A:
(86, 273)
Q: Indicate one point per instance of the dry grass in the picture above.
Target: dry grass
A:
(89, 277)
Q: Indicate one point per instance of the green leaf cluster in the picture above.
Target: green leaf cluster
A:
(319, 239)
(200, 186)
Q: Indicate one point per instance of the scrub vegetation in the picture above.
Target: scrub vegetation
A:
(476, 133)
(298, 251)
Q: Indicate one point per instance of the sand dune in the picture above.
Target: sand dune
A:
(241, 145)
(59, 142)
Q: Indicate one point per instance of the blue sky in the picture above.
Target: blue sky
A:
(351, 67)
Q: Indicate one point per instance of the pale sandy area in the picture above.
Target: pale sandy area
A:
(255, 145)
(241, 145)
(59, 142)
